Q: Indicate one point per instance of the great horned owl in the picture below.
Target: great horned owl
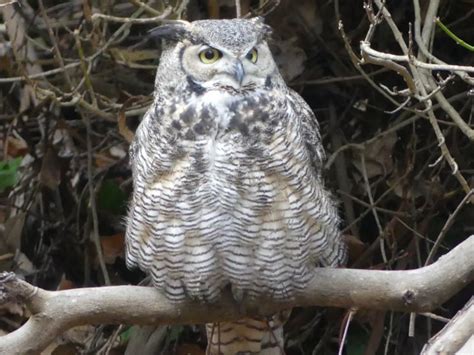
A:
(227, 179)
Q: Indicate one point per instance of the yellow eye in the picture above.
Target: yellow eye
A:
(210, 55)
(252, 55)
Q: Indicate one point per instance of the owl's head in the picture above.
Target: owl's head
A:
(217, 54)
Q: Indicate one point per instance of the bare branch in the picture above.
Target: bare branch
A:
(447, 225)
(418, 290)
(454, 335)
(423, 80)
(366, 49)
(385, 60)
(424, 52)
(8, 3)
(156, 19)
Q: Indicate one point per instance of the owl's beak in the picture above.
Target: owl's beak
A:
(239, 72)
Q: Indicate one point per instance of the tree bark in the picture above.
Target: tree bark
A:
(456, 336)
(53, 312)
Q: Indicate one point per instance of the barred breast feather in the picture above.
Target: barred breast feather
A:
(228, 191)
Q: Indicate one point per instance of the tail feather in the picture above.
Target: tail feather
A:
(247, 336)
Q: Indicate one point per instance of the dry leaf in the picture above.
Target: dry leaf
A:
(12, 233)
(290, 58)
(66, 284)
(378, 156)
(355, 245)
(65, 344)
(308, 10)
(23, 265)
(50, 174)
(104, 160)
(15, 147)
(361, 105)
(134, 56)
(112, 247)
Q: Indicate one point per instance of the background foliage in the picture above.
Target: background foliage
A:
(74, 86)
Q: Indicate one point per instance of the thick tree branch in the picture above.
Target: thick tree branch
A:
(454, 335)
(53, 312)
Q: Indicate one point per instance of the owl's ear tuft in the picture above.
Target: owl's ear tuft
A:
(264, 30)
(258, 20)
(175, 31)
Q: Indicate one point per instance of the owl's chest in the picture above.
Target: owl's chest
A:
(217, 114)
(223, 165)
(218, 148)
(221, 171)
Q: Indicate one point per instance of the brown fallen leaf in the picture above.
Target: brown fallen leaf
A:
(66, 284)
(355, 245)
(15, 147)
(112, 247)
(50, 173)
(378, 156)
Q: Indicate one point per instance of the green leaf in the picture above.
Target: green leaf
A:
(125, 335)
(8, 173)
(111, 198)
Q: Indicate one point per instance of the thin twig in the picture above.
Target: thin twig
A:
(351, 314)
(357, 63)
(57, 52)
(365, 47)
(338, 79)
(8, 3)
(422, 79)
(112, 39)
(435, 316)
(157, 19)
(424, 53)
(374, 211)
(446, 227)
(238, 9)
(147, 8)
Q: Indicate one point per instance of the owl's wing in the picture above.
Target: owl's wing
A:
(140, 137)
(141, 140)
(132, 152)
(337, 249)
(310, 130)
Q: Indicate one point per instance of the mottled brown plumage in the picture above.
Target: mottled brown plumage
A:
(227, 179)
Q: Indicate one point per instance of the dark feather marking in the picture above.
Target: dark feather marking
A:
(188, 115)
(176, 125)
(194, 86)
